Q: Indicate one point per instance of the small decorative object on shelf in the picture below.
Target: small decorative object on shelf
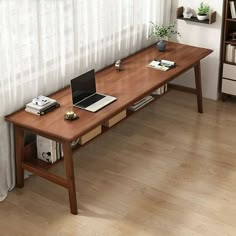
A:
(162, 32)
(203, 11)
(233, 36)
(187, 13)
(181, 15)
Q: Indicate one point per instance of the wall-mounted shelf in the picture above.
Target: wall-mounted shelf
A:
(212, 17)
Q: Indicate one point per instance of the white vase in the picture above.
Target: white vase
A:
(202, 17)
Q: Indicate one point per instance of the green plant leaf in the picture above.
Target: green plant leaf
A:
(163, 31)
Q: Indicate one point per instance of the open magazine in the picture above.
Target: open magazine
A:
(163, 65)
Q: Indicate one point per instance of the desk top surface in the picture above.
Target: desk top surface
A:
(129, 85)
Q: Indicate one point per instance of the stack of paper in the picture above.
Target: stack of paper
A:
(137, 105)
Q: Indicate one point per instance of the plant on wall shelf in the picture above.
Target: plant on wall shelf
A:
(203, 11)
(162, 32)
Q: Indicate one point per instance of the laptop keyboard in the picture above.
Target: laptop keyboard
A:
(89, 101)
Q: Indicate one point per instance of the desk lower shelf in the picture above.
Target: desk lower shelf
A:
(40, 167)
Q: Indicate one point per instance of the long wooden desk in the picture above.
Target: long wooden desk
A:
(134, 82)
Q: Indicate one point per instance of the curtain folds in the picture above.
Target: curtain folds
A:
(45, 43)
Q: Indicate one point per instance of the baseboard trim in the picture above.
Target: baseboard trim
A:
(182, 88)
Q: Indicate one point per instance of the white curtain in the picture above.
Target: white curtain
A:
(45, 43)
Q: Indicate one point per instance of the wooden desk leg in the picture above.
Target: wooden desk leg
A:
(197, 72)
(69, 169)
(19, 149)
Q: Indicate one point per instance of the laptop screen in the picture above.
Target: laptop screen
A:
(83, 86)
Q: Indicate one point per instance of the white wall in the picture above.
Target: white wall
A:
(202, 35)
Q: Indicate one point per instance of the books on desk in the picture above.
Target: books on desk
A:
(38, 108)
(162, 65)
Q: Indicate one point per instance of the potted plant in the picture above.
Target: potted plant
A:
(162, 32)
(203, 11)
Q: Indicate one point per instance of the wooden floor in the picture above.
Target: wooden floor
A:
(167, 170)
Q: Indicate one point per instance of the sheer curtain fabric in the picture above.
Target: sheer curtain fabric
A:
(45, 43)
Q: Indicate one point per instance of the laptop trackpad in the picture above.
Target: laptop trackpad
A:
(91, 100)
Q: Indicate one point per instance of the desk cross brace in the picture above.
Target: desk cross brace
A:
(68, 182)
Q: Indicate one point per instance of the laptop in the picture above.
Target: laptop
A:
(84, 96)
